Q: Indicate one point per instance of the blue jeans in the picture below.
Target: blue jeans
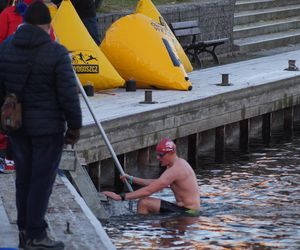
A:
(92, 26)
(36, 159)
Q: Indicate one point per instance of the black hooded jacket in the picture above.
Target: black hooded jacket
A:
(49, 98)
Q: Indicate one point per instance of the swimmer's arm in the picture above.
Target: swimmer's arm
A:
(136, 180)
(146, 191)
(143, 182)
(165, 180)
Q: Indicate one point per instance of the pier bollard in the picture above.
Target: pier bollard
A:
(225, 80)
(148, 98)
(130, 86)
(89, 89)
(292, 66)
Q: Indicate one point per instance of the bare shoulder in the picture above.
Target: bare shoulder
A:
(182, 163)
(183, 169)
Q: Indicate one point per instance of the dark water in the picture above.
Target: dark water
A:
(250, 202)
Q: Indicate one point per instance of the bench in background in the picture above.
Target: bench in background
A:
(194, 47)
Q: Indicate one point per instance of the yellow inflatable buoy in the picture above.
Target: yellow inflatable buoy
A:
(88, 61)
(140, 52)
(53, 9)
(147, 8)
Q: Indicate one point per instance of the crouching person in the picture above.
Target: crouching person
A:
(179, 176)
(40, 71)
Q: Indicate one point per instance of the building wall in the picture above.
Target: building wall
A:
(215, 19)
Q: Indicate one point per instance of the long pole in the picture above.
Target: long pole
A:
(110, 148)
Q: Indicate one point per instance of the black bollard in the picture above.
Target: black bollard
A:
(130, 86)
(89, 89)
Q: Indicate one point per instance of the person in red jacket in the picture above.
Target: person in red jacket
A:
(11, 18)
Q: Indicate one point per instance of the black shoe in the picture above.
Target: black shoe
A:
(22, 239)
(44, 244)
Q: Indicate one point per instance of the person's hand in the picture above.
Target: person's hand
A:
(72, 136)
(112, 195)
(127, 177)
(124, 177)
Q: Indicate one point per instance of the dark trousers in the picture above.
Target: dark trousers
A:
(36, 160)
(92, 26)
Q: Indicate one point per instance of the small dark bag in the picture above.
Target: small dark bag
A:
(11, 113)
(11, 110)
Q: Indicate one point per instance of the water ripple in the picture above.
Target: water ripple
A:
(250, 202)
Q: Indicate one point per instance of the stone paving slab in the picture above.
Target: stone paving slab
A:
(8, 236)
(66, 206)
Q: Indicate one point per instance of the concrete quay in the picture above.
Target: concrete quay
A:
(259, 86)
(65, 207)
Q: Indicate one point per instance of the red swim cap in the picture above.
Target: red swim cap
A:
(166, 145)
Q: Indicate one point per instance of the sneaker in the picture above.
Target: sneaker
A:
(6, 166)
(21, 239)
(44, 244)
(9, 166)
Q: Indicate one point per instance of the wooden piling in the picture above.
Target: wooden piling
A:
(143, 157)
(192, 150)
(219, 144)
(182, 146)
(118, 184)
(266, 128)
(288, 121)
(244, 136)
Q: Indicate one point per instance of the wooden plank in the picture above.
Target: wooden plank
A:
(88, 191)
(184, 24)
(68, 160)
(187, 32)
(214, 41)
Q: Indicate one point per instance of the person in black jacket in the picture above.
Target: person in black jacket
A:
(50, 101)
(86, 10)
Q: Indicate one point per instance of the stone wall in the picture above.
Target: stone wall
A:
(215, 19)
